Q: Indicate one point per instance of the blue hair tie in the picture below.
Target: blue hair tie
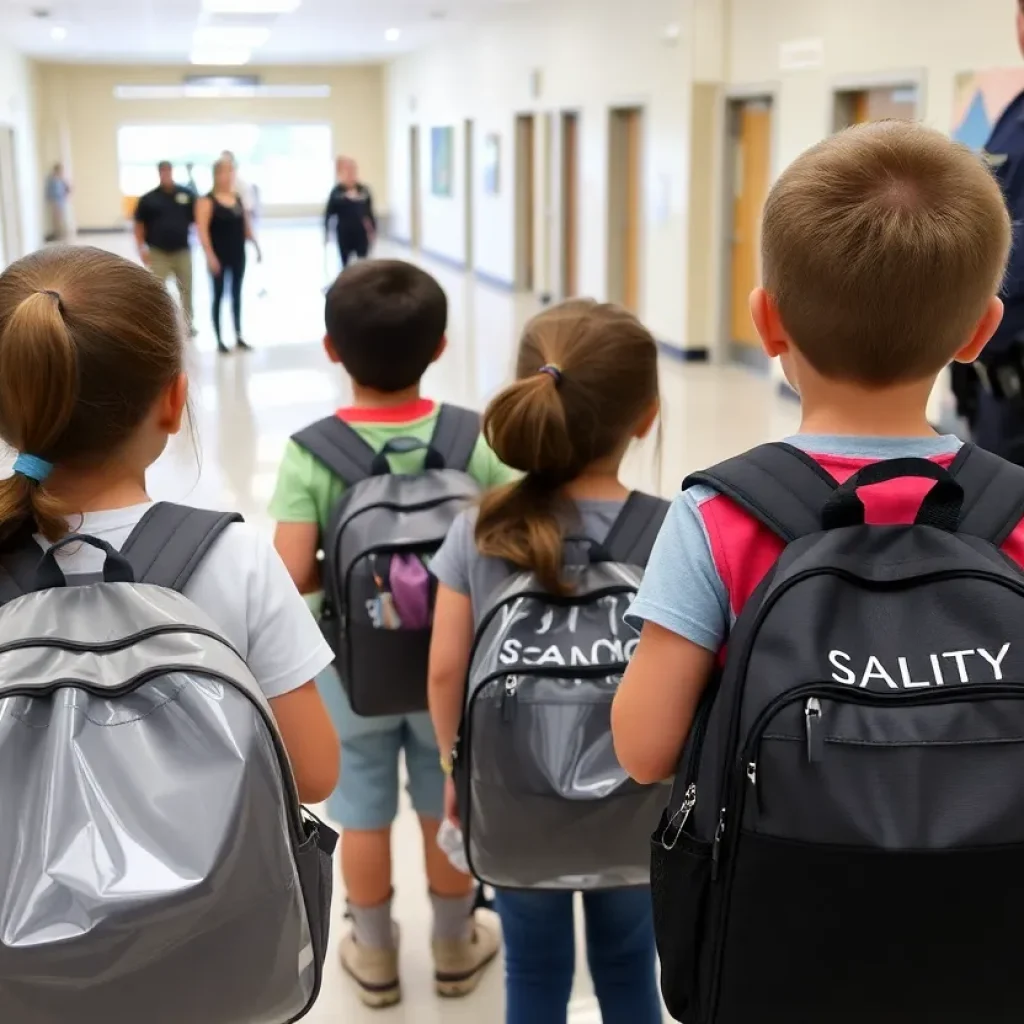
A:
(32, 467)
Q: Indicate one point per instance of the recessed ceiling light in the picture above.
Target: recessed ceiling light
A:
(58, 33)
(221, 58)
(236, 37)
(251, 6)
(393, 34)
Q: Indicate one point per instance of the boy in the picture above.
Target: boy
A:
(386, 323)
(883, 249)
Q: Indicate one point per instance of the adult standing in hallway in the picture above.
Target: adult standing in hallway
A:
(163, 225)
(58, 189)
(350, 207)
(993, 399)
(224, 227)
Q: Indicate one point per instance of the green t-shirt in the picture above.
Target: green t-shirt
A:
(307, 491)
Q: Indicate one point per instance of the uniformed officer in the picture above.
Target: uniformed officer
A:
(163, 225)
(994, 402)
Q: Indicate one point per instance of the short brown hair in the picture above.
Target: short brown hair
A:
(600, 377)
(386, 320)
(881, 246)
(88, 340)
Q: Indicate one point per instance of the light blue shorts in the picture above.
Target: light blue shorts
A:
(366, 797)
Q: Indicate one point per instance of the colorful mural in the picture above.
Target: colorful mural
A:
(978, 100)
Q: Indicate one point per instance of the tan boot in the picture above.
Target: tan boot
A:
(459, 966)
(375, 972)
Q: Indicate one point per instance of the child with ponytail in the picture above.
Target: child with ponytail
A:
(586, 387)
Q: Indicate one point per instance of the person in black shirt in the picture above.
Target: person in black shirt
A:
(350, 206)
(224, 227)
(163, 222)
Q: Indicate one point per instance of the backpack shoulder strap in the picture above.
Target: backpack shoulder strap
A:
(455, 435)
(339, 447)
(170, 541)
(782, 487)
(634, 532)
(993, 494)
(19, 560)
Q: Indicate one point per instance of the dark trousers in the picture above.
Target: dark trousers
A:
(353, 245)
(540, 955)
(232, 265)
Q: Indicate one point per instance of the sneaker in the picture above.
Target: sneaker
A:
(375, 972)
(242, 346)
(459, 966)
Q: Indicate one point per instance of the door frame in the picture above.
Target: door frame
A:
(732, 98)
(641, 111)
(12, 246)
(524, 184)
(568, 226)
(469, 190)
(415, 187)
(842, 84)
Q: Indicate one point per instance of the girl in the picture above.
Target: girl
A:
(587, 386)
(91, 388)
(224, 226)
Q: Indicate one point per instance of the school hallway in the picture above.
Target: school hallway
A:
(247, 405)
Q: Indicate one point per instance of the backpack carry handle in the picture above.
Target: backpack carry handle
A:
(402, 446)
(116, 568)
(941, 508)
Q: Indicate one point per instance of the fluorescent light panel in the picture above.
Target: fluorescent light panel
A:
(251, 6)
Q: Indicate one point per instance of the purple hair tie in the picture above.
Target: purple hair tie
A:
(554, 372)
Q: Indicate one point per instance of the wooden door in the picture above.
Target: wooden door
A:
(525, 210)
(570, 200)
(751, 156)
(469, 189)
(414, 186)
(631, 249)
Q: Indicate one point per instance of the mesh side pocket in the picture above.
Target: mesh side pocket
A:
(680, 885)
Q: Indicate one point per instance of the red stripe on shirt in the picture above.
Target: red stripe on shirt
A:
(418, 409)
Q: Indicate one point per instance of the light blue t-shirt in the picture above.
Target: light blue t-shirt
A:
(682, 590)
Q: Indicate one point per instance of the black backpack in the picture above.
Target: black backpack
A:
(543, 800)
(845, 839)
(384, 529)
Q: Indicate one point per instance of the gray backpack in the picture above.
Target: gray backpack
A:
(378, 596)
(543, 800)
(156, 862)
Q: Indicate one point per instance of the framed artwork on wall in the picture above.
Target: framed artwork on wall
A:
(442, 161)
(978, 100)
(492, 164)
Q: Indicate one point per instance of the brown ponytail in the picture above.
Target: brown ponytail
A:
(87, 342)
(600, 379)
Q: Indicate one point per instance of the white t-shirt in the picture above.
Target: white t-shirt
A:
(246, 194)
(241, 584)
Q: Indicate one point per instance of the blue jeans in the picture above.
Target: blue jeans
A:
(540, 955)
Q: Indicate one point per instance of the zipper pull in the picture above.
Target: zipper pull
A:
(754, 779)
(716, 848)
(679, 819)
(815, 732)
(508, 699)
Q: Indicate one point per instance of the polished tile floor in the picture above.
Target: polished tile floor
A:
(247, 405)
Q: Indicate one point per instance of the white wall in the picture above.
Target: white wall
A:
(17, 110)
(592, 55)
(935, 39)
(930, 40)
